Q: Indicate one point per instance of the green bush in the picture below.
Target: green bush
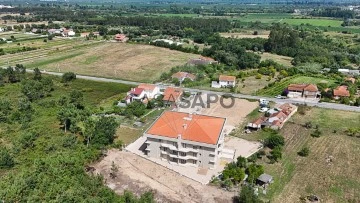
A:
(6, 160)
(305, 151)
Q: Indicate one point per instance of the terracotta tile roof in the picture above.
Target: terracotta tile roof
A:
(227, 78)
(281, 115)
(172, 94)
(147, 87)
(302, 87)
(197, 128)
(181, 75)
(286, 109)
(259, 121)
(342, 91)
(311, 88)
(277, 123)
(136, 91)
(119, 37)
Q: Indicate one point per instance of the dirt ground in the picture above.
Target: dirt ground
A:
(127, 61)
(140, 175)
(235, 115)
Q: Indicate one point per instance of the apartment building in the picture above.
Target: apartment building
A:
(186, 139)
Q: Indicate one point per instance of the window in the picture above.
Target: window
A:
(182, 161)
(194, 161)
(183, 145)
(194, 147)
(174, 144)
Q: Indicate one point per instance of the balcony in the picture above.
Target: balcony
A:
(187, 150)
(171, 147)
(188, 157)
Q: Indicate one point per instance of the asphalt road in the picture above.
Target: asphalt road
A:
(242, 96)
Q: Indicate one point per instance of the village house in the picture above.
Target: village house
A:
(68, 33)
(185, 139)
(276, 119)
(224, 81)
(120, 38)
(143, 93)
(202, 61)
(303, 90)
(86, 34)
(172, 95)
(341, 91)
(182, 75)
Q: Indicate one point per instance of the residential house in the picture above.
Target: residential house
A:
(120, 38)
(182, 75)
(68, 33)
(202, 61)
(151, 91)
(86, 34)
(341, 91)
(172, 95)
(349, 72)
(278, 116)
(135, 94)
(224, 81)
(303, 90)
(256, 124)
(185, 139)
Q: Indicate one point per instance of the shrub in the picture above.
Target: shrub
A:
(6, 160)
(69, 76)
(274, 140)
(276, 153)
(258, 76)
(305, 151)
(316, 133)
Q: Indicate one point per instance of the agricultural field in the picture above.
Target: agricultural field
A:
(249, 34)
(118, 60)
(251, 85)
(314, 22)
(283, 60)
(296, 176)
(279, 87)
(264, 17)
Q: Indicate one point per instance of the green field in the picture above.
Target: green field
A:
(279, 87)
(314, 22)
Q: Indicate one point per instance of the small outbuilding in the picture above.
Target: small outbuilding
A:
(264, 179)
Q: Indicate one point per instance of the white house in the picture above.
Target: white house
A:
(224, 81)
(151, 91)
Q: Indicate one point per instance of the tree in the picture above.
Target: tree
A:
(274, 140)
(254, 171)
(305, 151)
(247, 195)
(6, 160)
(5, 110)
(68, 116)
(32, 89)
(276, 153)
(241, 162)
(37, 74)
(67, 77)
(136, 108)
(77, 98)
(104, 131)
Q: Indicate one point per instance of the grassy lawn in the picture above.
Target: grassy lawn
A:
(279, 87)
(251, 85)
(284, 60)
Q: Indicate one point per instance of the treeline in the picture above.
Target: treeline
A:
(334, 12)
(174, 46)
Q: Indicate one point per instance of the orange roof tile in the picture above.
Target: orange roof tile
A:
(147, 87)
(172, 94)
(342, 91)
(181, 75)
(197, 128)
(227, 78)
(302, 87)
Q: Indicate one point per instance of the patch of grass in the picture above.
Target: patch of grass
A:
(53, 60)
(127, 134)
(313, 22)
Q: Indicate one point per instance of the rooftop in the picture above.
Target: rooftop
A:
(183, 75)
(147, 87)
(227, 78)
(342, 91)
(172, 94)
(303, 87)
(197, 128)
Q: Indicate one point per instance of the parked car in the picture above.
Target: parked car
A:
(264, 109)
(278, 97)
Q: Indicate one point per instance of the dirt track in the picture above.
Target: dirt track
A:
(140, 175)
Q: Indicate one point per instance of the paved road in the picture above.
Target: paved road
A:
(242, 96)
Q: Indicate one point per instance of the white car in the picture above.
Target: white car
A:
(264, 109)
(278, 97)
